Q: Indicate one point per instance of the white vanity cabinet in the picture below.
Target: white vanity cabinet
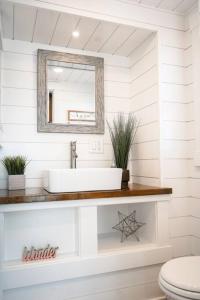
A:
(82, 229)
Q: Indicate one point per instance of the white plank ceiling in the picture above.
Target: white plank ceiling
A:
(179, 6)
(27, 23)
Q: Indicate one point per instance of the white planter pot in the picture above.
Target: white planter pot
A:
(16, 182)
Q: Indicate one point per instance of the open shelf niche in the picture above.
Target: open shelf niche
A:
(57, 227)
(110, 239)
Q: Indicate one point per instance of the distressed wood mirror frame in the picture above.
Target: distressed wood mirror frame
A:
(42, 92)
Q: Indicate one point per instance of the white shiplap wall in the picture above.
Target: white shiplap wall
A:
(145, 105)
(18, 108)
(176, 135)
(161, 148)
(192, 59)
(134, 284)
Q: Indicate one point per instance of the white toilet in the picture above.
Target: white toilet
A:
(179, 278)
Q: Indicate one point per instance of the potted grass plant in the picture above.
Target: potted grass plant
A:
(15, 166)
(122, 133)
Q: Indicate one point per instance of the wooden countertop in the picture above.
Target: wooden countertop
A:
(40, 195)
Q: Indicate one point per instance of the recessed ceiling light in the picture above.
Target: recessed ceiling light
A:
(76, 34)
(58, 70)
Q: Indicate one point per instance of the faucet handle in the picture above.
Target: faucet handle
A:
(73, 145)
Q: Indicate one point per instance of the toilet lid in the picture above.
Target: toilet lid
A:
(183, 273)
(177, 293)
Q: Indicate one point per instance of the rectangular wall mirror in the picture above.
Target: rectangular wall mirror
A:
(70, 93)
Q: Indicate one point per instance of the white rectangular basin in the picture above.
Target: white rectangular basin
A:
(87, 179)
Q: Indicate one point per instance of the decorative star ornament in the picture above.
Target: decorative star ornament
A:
(128, 225)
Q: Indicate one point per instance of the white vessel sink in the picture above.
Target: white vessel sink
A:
(75, 180)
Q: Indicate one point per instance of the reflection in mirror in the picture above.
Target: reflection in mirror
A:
(71, 93)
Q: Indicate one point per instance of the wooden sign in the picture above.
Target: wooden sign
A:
(33, 254)
(81, 116)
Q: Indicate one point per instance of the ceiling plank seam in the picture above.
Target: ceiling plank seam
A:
(34, 26)
(92, 34)
(108, 38)
(140, 44)
(178, 5)
(76, 26)
(54, 30)
(130, 35)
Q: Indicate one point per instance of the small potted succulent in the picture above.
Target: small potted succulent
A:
(122, 133)
(15, 166)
